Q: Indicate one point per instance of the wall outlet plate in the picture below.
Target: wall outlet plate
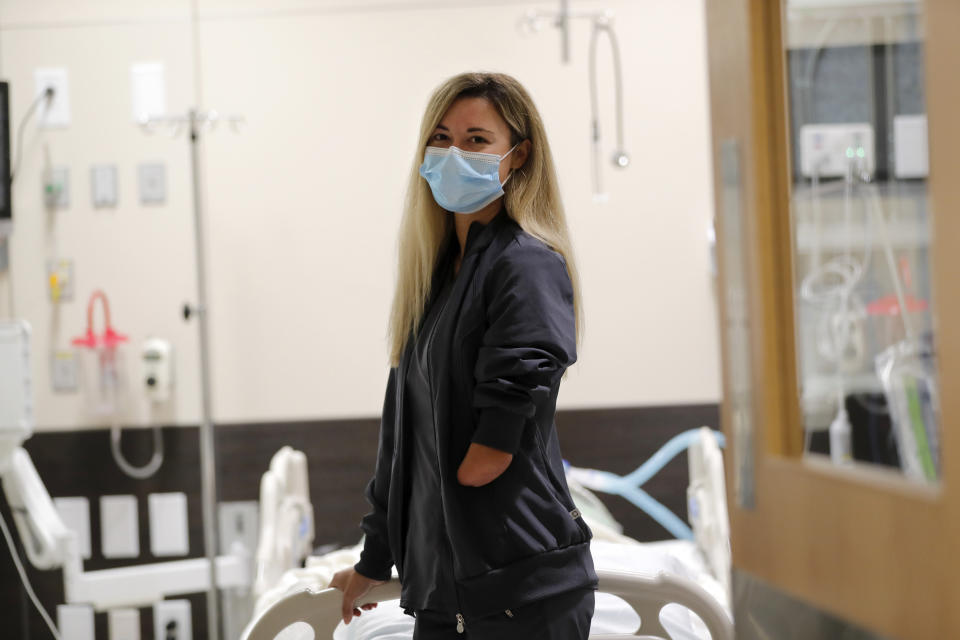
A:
(153, 182)
(239, 522)
(119, 527)
(75, 513)
(171, 620)
(64, 372)
(169, 533)
(56, 113)
(56, 187)
(911, 153)
(75, 621)
(60, 280)
(103, 185)
(123, 624)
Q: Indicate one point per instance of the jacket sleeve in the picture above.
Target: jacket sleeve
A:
(376, 558)
(529, 341)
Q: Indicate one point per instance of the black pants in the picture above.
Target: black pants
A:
(565, 616)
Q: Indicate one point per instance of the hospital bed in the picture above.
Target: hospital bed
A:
(674, 589)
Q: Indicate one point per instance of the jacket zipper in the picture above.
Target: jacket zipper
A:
(398, 437)
(460, 621)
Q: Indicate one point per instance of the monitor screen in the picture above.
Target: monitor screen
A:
(6, 200)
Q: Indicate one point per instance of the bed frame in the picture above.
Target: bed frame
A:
(646, 594)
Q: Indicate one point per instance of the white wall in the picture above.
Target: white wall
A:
(303, 205)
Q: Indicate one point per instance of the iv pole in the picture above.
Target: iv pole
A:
(196, 121)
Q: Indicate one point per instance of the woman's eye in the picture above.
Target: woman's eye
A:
(478, 140)
(439, 136)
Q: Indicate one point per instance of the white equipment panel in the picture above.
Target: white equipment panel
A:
(829, 149)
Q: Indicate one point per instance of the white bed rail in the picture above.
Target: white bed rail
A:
(645, 593)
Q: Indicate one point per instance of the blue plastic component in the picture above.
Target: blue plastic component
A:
(628, 486)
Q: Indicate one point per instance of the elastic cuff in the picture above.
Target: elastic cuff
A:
(367, 571)
(499, 429)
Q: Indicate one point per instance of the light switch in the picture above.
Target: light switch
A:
(75, 621)
(153, 183)
(168, 524)
(119, 528)
(124, 624)
(103, 185)
(56, 113)
(171, 620)
(75, 513)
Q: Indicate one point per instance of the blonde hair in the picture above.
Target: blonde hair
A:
(531, 196)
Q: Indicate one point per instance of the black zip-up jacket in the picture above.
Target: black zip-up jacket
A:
(497, 369)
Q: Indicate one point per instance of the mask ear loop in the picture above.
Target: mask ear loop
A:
(504, 156)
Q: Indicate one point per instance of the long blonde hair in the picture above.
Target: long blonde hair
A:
(532, 200)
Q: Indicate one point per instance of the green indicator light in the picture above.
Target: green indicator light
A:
(860, 152)
(849, 152)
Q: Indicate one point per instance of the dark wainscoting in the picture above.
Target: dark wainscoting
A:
(341, 455)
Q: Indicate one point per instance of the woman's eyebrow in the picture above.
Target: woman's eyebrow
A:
(470, 130)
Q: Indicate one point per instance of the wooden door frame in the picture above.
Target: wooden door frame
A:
(863, 544)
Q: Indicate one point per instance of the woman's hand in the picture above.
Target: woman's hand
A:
(482, 465)
(354, 587)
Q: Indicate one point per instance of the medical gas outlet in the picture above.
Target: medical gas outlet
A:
(829, 150)
(157, 369)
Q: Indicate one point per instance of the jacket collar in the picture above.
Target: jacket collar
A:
(479, 235)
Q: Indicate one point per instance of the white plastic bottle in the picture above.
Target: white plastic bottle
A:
(841, 444)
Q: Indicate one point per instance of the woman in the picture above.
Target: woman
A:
(469, 496)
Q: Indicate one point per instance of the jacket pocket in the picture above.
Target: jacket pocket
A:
(561, 493)
(480, 542)
(514, 517)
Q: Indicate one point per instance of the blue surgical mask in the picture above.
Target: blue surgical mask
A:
(463, 181)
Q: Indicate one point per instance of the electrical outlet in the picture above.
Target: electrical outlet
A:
(239, 521)
(171, 620)
(56, 112)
